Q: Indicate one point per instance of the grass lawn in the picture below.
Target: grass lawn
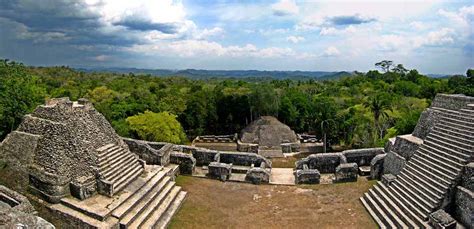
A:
(215, 204)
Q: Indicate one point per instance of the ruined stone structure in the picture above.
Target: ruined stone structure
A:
(265, 136)
(428, 170)
(74, 159)
(17, 212)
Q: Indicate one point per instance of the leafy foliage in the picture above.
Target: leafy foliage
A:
(361, 110)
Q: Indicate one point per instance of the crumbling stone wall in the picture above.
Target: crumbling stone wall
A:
(324, 163)
(406, 145)
(362, 157)
(464, 196)
(426, 122)
(154, 153)
(376, 166)
(393, 163)
(185, 161)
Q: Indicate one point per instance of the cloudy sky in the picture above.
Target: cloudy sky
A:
(433, 37)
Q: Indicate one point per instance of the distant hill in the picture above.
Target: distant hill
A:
(206, 74)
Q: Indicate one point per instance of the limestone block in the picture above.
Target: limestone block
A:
(362, 156)
(346, 172)
(376, 166)
(324, 163)
(393, 163)
(442, 220)
(467, 179)
(388, 179)
(258, 175)
(406, 145)
(464, 200)
(185, 161)
(307, 176)
(220, 171)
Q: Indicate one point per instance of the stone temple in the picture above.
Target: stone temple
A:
(265, 136)
(77, 163)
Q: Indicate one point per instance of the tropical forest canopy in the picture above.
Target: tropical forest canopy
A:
(360, 110)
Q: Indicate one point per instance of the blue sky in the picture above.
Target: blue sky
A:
(431, 36)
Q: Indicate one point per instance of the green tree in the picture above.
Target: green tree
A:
(385, 65)
(159, 127)
(378, 105)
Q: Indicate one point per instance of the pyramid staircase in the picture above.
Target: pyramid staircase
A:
(143, 196)
(118, 167)
(429, 177)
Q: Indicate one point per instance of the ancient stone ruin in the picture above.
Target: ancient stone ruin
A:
(427, 177)
(75, 161)
(265, 136)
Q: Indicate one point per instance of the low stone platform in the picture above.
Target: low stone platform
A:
(282, 176)
(149, 201)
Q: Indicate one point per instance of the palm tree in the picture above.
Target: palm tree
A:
(379, 106)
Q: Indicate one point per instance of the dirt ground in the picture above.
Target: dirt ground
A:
(215, 204)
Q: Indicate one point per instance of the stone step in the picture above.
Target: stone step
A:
(467, 111)
(119, 172)
(462, 127)
(450, 144)
(372, 212)
(453, 139)
(148, 203)
(125, 180)
(114, 167)
(155, 210)
(421, 170)
(105, 148)
(443, 154)
(104, 159)
(460, 119)
(63, 210)
(453, 131)
(462, 154)
(153, 185)
(109, 152)
(165, 219)
(436, 167)
(431, 171)
(433, 185)
(385, 220)
(385, 204)
(408, 198)
(425, 191)
(407, 210)
(453, 165)
(418, 192)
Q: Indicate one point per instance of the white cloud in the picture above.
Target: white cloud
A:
(331, 51)
(418, 25)
(435, 38)
(285, 7)
(295, 39)
(101, 58)
(464, 16)
(328, 31)
(206, 33)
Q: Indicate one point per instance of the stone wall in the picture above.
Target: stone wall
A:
(154, 153)
(464, 206)
(324, 163)
(406, 145)
(451, 102)
(426, 122)
(362, 157)
(393, 163)
(185, 161)
(16, 210)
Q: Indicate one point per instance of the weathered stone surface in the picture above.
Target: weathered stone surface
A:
(346, 172)
(17, 212)
(393, 163)
(389, 144)
(362, 157)
(154, 153)
(426, 122)
(451, 101)
(258, 175)
(442, 220)
(467, 179)
(267, 131)
(324, 163)
(220, 171)
(63, 137)
(389, 178)
(185, 161)
(464, 207)
(307, 176)
(406, 145)
(376, 166)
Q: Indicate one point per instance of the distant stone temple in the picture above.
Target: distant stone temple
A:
(265, 136)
